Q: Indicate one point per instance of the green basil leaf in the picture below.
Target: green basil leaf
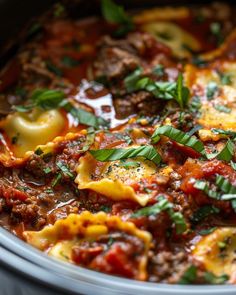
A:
(203, 212)
(189, 276)
(212, 90)
(233, 165)
(89, 139)
(64, 168)
(182, 92)
(83, 116)
(207, 231)
(224, 132)
(204, 186)
(226, 154)
(164, 205)
(147, 152)
(129, 164)
(132, 79)
(23, 108)
(158, 70)
(47, 99)
(178, 136)
(224, 185)
(223, 109)
(114, 13)
(213, 279)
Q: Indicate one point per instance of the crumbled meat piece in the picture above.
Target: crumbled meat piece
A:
(167, 267)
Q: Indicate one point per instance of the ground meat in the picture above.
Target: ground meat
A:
(167, 267)
(115, 63)
(116, 58)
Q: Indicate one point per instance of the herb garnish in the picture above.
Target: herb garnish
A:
(148, 152)
(211, 90)
(213, 279)
(189, 276)
(48, 99)
(207, 231)
(224, 132)
(164, 205)
(56, 179)
(203, 212)
(227, 192)
(215, 29)
(223, 109)
(65, 169)
(115, 14)
(161, 90)
(178, 136)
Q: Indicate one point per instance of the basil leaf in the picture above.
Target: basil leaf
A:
(208, 231)
(204, 186)
(164, 205)
(22, 108)
(147, 152)
(131, 80)
(233, 165)
(64, 168)
(158, 70)
(225, 78)
(83, 116)
(130, 164)
(224, 132)
(226, 154)
(161, 90)
(47, 99)
(213, 279)
(89, 139)
(224, 185)
(212, 89)
(182, 92)
(56, 179)
(178, 136)
(114, 13)
(223, 109)
(189, 276)
(203, 212)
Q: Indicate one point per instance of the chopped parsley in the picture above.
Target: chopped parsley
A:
(204, 212)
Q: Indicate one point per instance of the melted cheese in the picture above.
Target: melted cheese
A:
(32, 129)
(59, 239)
(173, 36)
(217, 251)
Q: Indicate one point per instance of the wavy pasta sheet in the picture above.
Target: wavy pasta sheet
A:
(173, 36)
(216, 252)
(217, 110)
(161, 14)
(32, 129)
(59, 239)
